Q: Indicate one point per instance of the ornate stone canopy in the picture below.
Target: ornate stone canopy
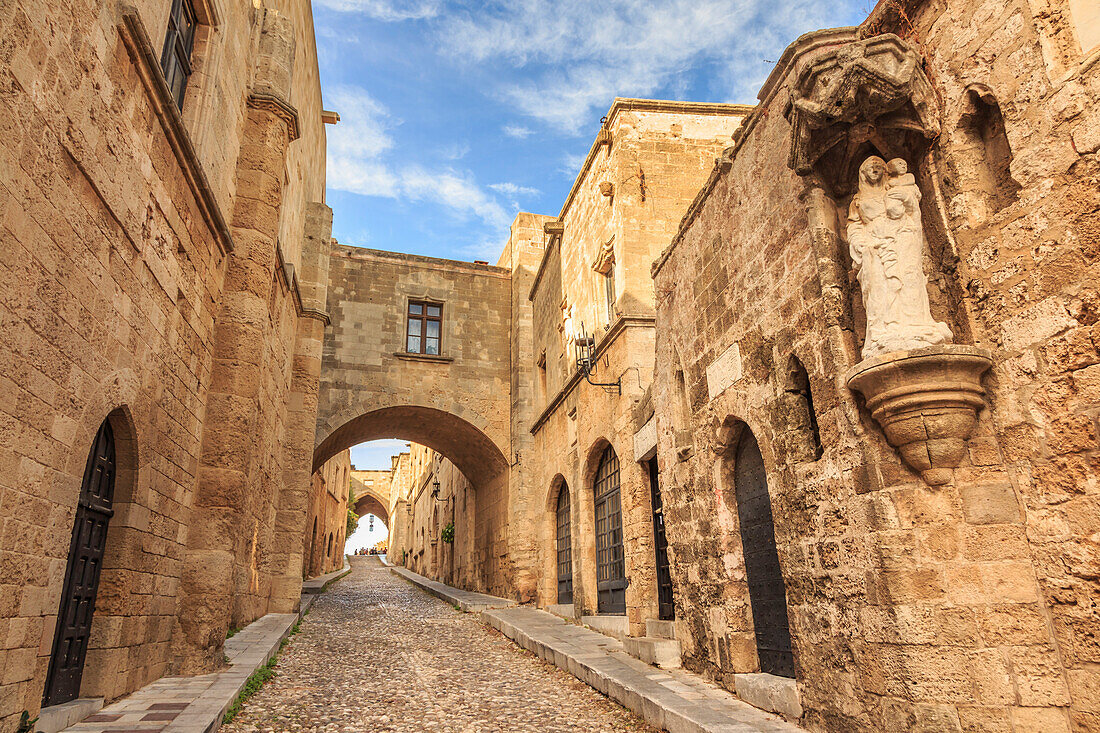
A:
(865, 97)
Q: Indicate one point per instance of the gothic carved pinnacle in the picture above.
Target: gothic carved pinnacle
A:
(864, 97)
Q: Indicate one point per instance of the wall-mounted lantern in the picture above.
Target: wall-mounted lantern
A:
(587, 364)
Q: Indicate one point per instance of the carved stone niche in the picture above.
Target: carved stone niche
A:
(865, 97)
(860, 114)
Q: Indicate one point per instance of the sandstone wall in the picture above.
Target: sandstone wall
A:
(964, 606)
(117, 234)
(457, 403)
(328, 516)
(651, 159)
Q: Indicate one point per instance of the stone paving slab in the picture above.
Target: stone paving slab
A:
(468, 601)
(197, 704)
(673, 700)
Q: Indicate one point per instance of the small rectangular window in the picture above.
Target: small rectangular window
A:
(175, 60)
(425, 325)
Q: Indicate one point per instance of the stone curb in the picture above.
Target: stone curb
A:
(468, 601)
(322, 582)
(672, 700)
(679, 702)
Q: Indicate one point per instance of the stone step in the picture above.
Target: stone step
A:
(769, 692)
(660, 629)
(59, 717)
(665, 653)
(617, 627)
(565, 610)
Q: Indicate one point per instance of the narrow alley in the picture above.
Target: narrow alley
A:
(377, 654)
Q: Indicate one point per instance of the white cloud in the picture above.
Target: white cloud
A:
(455, 151)
(458, 192)
(578, 55)
(511, 189)
(387, 10)
(517, 131)
(359, 161)
(571, 164)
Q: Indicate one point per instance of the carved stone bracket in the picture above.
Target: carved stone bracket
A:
(277, 106)
(861, 98)
(926, 402)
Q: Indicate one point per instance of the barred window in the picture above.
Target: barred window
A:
(425, 323)
(176, 58)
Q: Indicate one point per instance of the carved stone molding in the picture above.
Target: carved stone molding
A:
(279, 107)
(926, 401)
(863, 97)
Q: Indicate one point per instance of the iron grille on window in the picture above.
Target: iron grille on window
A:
(425, 324)
(176, 58)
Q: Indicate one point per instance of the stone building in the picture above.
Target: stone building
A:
(590, 489)
(371, 494)
(328, 516)
(876, 391)
(163, 254)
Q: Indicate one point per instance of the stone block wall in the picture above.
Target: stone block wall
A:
(116, 241)
(328, 516)
(641, 174)
(961, 606)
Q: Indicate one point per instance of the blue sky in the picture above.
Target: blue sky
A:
(456, 115)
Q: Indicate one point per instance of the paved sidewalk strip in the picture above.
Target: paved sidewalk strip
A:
(318, 584)
(466, 600)
(673, 700)
(197, 704)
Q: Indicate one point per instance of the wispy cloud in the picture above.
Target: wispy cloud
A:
(517, 131)
(455, 151)
(511, 189)
(359, 162)
(579, 54)
(387, 10)
(571, 164)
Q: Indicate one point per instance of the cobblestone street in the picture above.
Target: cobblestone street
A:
(377, 654)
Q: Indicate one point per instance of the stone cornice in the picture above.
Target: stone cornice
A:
(785, 66)
(140, 49)
(278, 106)
(621, 324)
(362, 253)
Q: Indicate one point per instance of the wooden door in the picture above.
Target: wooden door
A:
(611, 579)
(564, 548)
(767, 592)
(78, 594)
(665, 607)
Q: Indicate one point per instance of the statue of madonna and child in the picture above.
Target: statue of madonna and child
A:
(886, 241)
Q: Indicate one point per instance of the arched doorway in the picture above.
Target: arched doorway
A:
(78, 594)
(564, 547)
(610, 558)
(767, 592)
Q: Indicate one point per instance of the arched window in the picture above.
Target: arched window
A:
(610, 558)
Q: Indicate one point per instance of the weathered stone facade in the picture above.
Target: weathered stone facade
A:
(164, 274)
(925, 590)
(328, 516)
